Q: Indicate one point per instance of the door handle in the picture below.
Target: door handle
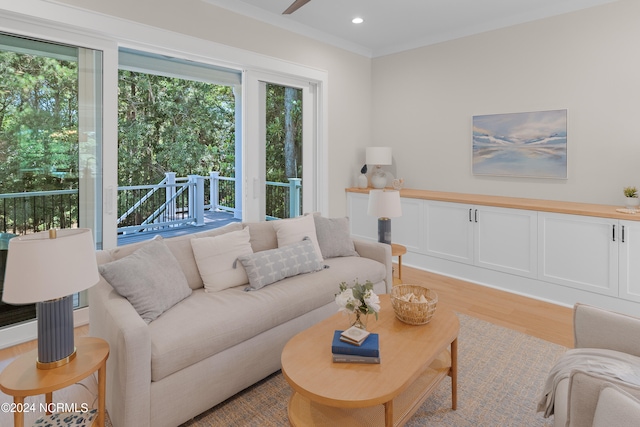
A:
(622, 240)
(476, 215)
(614, 232)
(470, 220)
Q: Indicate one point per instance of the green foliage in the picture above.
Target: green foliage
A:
(277, 108)
(165, 124)
(170, 124)
(38, 123)
(283, 145)
(630, 191)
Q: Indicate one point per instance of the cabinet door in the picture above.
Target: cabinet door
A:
(629, 263)
(578, 251)
(362, 225)
(449, 231)
(506, 240)
(407, 229)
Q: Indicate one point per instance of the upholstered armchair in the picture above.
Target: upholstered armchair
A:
(598, 382)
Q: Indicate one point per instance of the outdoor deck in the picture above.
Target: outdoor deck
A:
(212, 219)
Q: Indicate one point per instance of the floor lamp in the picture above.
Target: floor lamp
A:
(384, 204)
(47, 269)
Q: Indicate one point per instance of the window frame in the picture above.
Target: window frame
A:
(52, 21)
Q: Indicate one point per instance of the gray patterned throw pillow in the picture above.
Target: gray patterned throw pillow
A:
(266, 267)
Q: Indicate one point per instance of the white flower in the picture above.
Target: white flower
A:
(372, 301)
(360, 298)
(343, 299)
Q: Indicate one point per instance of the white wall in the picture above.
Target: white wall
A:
(586, 62)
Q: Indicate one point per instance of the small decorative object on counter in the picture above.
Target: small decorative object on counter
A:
(398, 184)
(631, 197)
(363, 182)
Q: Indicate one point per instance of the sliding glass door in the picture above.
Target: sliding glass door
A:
(50, 144)
(280, 155)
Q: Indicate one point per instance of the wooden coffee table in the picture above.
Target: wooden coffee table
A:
(414, 360)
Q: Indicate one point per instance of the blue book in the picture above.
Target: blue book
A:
(370, 347)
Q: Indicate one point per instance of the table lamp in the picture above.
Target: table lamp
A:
(384, 205)
(378, 156)
(47, 269)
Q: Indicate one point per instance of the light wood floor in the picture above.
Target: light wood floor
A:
(541, 319)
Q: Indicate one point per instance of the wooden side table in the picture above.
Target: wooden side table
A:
(22, 378)
(398, 250)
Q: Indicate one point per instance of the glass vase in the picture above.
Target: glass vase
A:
(359, 320)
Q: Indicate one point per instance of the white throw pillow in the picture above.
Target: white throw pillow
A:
(215, 257)
(290, 231)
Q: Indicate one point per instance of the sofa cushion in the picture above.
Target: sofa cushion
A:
(216, 259)
(293, 230)
(616, 408)
(205, 324)
(181, 248)
(266, 267)
(126, 250)
(263, 235)
(334, 238)
(150, 278)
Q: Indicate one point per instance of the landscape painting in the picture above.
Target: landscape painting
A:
(521, 144)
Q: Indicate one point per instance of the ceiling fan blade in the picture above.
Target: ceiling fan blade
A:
(295, 6)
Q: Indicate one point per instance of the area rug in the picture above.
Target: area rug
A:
(501, 373)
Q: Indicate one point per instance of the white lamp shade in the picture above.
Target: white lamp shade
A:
(379, 156)
(384, 204)
(40, 268)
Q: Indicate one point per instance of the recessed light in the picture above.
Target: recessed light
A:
(357, 20)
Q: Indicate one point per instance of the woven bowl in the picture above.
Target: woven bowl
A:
(413, 313)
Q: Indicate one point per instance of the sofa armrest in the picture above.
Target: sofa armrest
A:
(113, 318)
(598, 328)
(378, 252)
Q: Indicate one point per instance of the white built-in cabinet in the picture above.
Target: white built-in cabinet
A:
(579, 251)
(589, 253)
(629, 260)
(595, 254)
(496, 238)
(490, 237)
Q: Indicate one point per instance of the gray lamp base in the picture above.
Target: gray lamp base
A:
(384, 230)
(55, 333)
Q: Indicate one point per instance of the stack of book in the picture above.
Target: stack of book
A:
(355, 345)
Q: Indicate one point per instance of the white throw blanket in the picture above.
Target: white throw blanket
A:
(622, 366)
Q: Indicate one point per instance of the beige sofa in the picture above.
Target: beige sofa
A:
(211, 345)
(588, 385)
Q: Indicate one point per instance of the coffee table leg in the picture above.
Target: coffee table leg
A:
(388, 413)
(454, 374)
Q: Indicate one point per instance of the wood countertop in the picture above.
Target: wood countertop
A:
(573, 208)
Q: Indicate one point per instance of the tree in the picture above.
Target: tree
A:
(38, 123)
(170, 124)
(290, 128)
